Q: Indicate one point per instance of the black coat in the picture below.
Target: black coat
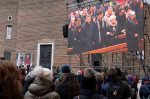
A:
(87, 40)
(120, 21)
(63, 90)
(89, 94)
(79, 78)
(95, 32)
(132, 41)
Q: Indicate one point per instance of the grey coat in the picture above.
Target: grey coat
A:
(41, 89)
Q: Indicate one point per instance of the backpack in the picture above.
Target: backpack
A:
(115, 91)
(148, 91)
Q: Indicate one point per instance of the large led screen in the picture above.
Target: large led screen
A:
(106, 26)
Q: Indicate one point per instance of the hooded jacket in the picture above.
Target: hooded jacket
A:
(145, 91)
(41, 88)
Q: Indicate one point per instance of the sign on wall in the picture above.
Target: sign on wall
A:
(23, 59)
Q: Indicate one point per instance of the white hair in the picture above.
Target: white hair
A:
(112, 17)
(131, 13)
(79, 72)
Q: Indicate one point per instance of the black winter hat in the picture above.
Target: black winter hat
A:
(119, 73)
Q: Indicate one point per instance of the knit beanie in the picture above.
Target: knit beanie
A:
(82, 72)
(65, 69)
(44, 73)
(130, 77)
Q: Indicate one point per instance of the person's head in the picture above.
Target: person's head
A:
(93, 8)
(65, 69)
(99, 77)
(88, 72)
(110, 10)
(76, 13)
(105, 4)
(119, 73)
(99, 14)
(78, 21)
(88, 80)
(141, 4)
(140, 81)
(28, 56)
(88, 19)
(131, 14)
(112, 72)
(79, 73)
(43, 73)
(85, 12)
(9, 81)
(121, 11)
(22, 71)
(130, 77)
(72, 20)
(79, 28)
(112, 19)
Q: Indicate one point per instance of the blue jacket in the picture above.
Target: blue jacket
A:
(79, 78)
(145, 91)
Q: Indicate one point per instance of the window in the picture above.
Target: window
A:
(45, 55)
(8, 32)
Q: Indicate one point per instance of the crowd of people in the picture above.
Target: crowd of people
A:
(106, 25)
(41, 83)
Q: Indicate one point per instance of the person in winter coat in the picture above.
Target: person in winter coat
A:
(99, 82)
(87, 39)
(42, 86)
(65, 70)
(79, 76)
(126, 88)
(133, 86)
(28, 81)
(112, 31)
(145, 90)
(112, 88)
(10, 82)
(131, 82)
(67, 85)
(88, 86)
(132, 35)
(99, 31)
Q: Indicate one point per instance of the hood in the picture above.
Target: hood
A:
(41, 86)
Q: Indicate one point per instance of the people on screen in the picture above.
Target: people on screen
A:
(94, 35)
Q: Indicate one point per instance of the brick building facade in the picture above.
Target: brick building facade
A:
(33, 22)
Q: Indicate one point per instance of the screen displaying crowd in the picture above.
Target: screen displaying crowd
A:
(106, 25)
